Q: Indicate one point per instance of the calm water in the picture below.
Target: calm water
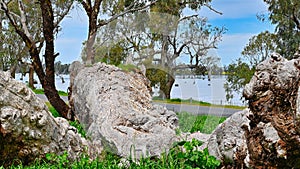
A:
(203, 90)
(198, 89)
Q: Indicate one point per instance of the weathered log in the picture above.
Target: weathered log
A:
(267, 135)
(29, 131)
(115, 108)
(273, 93)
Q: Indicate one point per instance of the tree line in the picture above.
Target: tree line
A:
(29, 29)
(285, 40)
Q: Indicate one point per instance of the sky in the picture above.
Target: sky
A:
(239, 18)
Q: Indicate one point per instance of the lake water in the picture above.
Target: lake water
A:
(203, 90)
(184, 88)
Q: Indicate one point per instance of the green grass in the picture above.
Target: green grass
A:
(41, 91)
(52, 110)
(127, 67)
(195, 102)
(176, 158)
(204, 123)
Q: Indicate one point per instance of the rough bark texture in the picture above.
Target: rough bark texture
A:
(115, 107)
(49, 78)
(273, 99)
(271, 130)
(28, 130)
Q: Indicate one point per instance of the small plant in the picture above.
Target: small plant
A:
(191, 157)
(61, 161)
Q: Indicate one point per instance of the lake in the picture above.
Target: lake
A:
(203, 90)
(184, 88)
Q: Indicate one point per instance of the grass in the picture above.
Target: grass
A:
(176, 158)
(41, 91)
(195, 102)
(204, 123)
(183, 154)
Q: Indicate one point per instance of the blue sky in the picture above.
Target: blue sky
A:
(239, 17)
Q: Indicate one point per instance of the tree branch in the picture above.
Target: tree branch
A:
(296, 20)
(24, 20)
(212, 9)
(114, 17)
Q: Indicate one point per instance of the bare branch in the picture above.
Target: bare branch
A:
(212, 9)
(105, 22)
(24, 20)
(187, 17)
(296, 20)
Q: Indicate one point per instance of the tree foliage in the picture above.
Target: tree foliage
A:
(285, 15)
(157, 38)
(239, 74)
(241, 71)
(259, 47)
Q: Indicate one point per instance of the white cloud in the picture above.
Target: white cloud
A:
(234, 8)
(231, 46)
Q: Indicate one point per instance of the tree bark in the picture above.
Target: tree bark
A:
(169, 85)
(49, 78)
(92, 13)
(31, 77)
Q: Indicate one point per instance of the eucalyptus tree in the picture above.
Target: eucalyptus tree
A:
(37, 22)
(102, 12)
(157, 40)
(285, 15)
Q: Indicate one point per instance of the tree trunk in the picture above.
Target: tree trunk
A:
(169, 85)
(92, 13)
(90, 53)
(49, 79)
(164, 50)
(12, 70)
(31, 77)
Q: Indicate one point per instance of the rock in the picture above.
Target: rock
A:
(28, 130)
(115, 108)
(228, 142)
(273, 138)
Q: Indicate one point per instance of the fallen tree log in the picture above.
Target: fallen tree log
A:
(29, 131)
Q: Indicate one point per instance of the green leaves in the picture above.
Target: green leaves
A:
(191, 157)
(239, 74)
(285, 15)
